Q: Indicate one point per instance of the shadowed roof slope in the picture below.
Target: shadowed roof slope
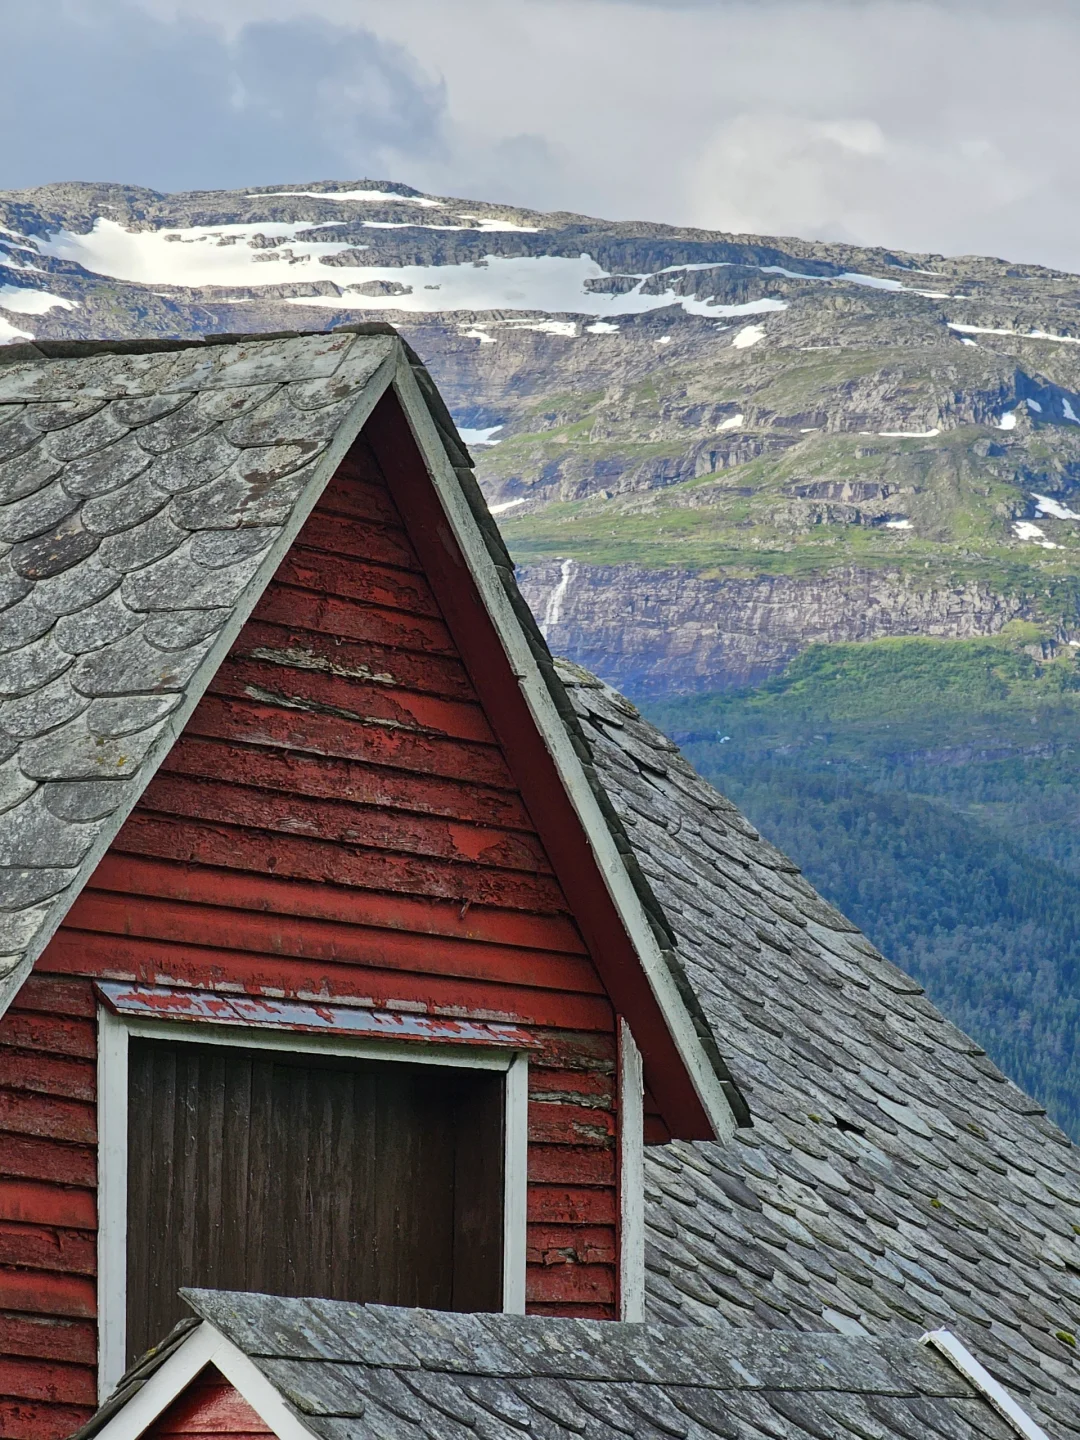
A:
(374, 1372)
(894, 1180)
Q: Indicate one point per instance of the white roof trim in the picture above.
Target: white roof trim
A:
(961, 1357)
(204, 1346)
(523, 663)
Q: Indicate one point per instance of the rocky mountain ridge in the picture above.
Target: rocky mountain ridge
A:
(706, 450)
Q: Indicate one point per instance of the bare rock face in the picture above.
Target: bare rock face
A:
(669, 632)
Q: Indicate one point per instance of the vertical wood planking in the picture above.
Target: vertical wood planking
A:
(423, 1215)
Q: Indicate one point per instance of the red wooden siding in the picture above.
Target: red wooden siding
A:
(48, 1222)
(339, 820)
(209, 1407)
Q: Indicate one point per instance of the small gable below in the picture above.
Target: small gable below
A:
(209, 1408)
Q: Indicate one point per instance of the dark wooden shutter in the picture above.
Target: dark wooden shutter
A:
(257, 1170)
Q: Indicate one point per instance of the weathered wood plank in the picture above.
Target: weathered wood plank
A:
(47, 1074)
(22, 1420)
(403, 832)
(48, 1247)
(313, 648)
(571, 1204)
(304, 859)
(43, 1380)
(23, 1157)
(244, 677)
(306, 568)
(45, 1116)
(255, 722)
(47, 1338)
(36, 1203)
(136, 875)
(366, 624)
(571, 1244)
(38, 1293)
(210, 1409)
(570, 1284)
(50, 995)
(161, 962)
(267, 933)
(570, 1125)
(50, 1034)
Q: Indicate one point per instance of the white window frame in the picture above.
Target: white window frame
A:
(114, 1033)
(631, 1177)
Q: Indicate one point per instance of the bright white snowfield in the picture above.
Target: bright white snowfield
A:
(25, 301)
(239, 256)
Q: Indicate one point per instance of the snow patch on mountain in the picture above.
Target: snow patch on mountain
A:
(1046, 505)
(9, 332)
(479, 437)
(282, 253)
(747, 336)
(23, 300)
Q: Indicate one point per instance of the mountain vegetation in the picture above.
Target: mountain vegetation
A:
(931, 790)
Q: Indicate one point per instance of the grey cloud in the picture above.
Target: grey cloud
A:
(942, 125)
(109, 92)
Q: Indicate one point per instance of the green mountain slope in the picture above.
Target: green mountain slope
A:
(932, 791)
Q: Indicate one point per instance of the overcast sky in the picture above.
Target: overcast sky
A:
(942, 125)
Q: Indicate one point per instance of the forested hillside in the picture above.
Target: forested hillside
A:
(931, 790)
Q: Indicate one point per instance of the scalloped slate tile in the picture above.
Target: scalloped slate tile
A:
(55, 551)
(132, 666)
(22, 519)
(29, 833)
(41, 710)
(22, 671)
(13, 587)
(202, 414)
(22, 477)
(76, 752)
(194, 465)
(22, 888)
(76, 441)
(177, 629)
(84, 800)
(77, 587)
(14, 785)
(124, 508)
(126, 714)
(57, 414)
(260, 489)
(150, 541)
(17, 433)
(23, 622)
(107, 469)
(99, 624)
(179, 581)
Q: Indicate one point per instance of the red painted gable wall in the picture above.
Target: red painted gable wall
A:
(209, 1407)
(337, 819)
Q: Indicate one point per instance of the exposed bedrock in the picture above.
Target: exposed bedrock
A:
(669, 632)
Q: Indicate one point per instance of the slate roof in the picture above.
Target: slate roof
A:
(894, 1181)
(374, 1372)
